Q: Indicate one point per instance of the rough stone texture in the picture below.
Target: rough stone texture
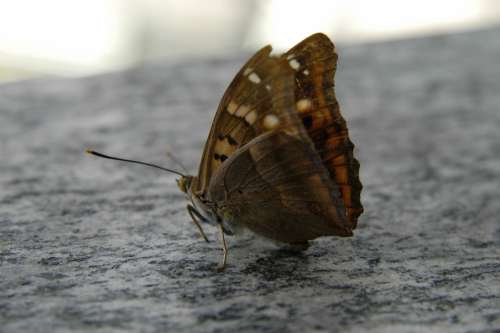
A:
(95, 245)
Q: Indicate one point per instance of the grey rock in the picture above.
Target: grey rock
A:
(95, 245)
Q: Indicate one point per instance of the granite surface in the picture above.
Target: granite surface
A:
(94, 245)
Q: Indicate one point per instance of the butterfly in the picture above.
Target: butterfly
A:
(278, 160)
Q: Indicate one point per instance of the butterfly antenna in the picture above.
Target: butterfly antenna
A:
(176, 161)
(93, 152)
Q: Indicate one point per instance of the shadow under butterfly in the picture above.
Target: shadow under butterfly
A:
(278, 160)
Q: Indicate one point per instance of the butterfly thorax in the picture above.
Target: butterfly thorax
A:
(187, 184)
(211, 212)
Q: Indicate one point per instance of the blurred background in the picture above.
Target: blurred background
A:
(84, 37)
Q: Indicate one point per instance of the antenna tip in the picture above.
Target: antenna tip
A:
(89, 151)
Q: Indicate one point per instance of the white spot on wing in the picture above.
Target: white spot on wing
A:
(247, 71)
(294, 64)
(223, 148)
(290, 56)
(254, 78)
(251, 117)
(306, 72)
(270, 121)
(242, 111)
(232, 107)
(304, 104)
(268, 87)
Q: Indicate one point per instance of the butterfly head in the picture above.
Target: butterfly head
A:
(187, 184)
(184, 183)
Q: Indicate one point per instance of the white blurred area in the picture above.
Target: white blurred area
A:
(83, 37)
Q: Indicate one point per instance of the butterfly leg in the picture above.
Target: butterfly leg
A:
(222, 266)
(195, 216)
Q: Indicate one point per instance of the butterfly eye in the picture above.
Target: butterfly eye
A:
(184, 183)
(181, 184)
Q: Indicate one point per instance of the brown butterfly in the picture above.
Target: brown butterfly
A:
(278, 160)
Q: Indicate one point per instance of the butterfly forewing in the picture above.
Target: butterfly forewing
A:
(314, 61)
(259, 99)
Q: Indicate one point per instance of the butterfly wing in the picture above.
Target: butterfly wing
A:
(293, 93)
(277, 186)
(259, 98)
(314, 61)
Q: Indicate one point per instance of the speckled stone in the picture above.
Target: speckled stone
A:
(89, 245)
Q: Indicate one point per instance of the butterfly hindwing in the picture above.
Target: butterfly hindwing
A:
(314, 61)
(277, 187)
